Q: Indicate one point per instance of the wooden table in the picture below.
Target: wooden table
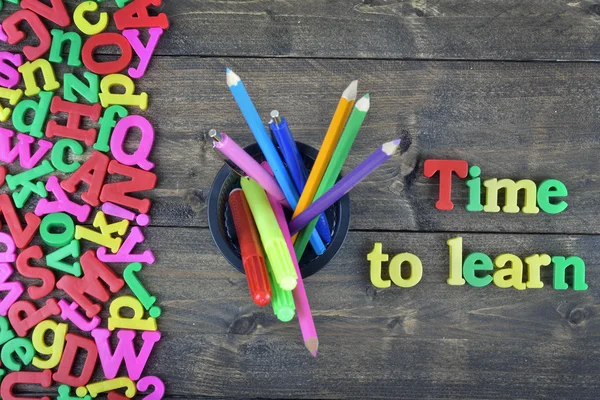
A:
(478, 80)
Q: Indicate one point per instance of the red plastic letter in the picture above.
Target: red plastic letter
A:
(117, 192)
(15, 35)
(91, 172)
(76, 111)
(94, 271)
(33, 316)
(135, 15)
(43, 378)
(107, 67)
(74, 343)
(35, 292)
(57, 13)
(445, 168)
(22, 236)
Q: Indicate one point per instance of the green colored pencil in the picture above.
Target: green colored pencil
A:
(361, 108)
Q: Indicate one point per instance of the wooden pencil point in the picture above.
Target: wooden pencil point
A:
(351, 90)
(390, 148)
(232, 78)
(312, 345)
(364, 103)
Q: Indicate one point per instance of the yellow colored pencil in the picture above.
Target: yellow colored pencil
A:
(327, 148)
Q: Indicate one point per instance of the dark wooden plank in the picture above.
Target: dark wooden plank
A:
(455, 29)
(431, 341)
(515, 120)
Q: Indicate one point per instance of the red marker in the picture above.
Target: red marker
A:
(253, 257)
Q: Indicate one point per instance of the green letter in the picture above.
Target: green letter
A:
(477, 262)
(560, 266)
(552, 188)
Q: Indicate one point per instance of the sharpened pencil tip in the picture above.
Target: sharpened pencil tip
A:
(391, 148)
(312, 345)
(351, 90)
(232, 78)
(364, 103)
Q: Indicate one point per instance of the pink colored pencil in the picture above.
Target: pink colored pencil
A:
(246, 163)
(307, 324)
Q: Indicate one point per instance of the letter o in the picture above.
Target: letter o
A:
(416, 270)
(106, 67)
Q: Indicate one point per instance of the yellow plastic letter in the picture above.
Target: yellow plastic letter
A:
(104, 237)
(136, 322)
(507, 277)
(28, 71)
(534, 263)
(455, 247)
(83, 24)
(511, 189)
(13, 96)
(107, 98)
(376, 257)
(416, 270)
(55, 350)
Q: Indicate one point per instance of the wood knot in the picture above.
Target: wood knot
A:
(243, 325)
(196, 199)
(577, 316)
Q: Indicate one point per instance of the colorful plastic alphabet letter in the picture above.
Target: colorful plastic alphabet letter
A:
(106, 67)
(11, 24)
(137, 321)
(135, 15)
(140, 156)
(125, 350)
(54, 350)
(128, 98)
(376, 257)
(445, 168)
(82, 22)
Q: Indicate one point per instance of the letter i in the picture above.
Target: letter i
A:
(474, 185)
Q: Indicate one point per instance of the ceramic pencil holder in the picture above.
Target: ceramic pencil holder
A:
(222, 228)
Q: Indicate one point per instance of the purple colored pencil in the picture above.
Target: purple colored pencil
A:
(364, 169)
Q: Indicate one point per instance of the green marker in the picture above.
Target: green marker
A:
(282, 300)
(270, 235)
(336, 164)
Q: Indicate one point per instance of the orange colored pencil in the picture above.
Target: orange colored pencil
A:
(327, 148)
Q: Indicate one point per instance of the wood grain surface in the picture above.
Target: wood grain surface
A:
(478, 80)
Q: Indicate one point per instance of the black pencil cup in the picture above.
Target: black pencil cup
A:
(223, 231)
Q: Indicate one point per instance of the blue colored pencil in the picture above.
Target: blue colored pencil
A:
(293, 159)
(238, 90)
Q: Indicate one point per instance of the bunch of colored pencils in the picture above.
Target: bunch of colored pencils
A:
(270, 254)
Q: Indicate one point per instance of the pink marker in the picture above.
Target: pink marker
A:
(249, 165)
(114, 210)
